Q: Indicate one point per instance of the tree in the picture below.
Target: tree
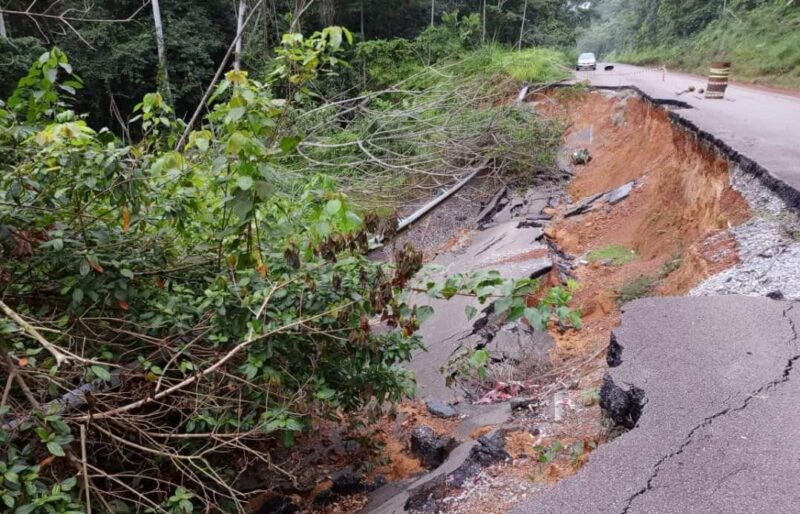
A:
(3, 33)
(163, 78)
(239, 36)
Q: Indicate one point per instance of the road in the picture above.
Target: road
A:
(761, 125)
(719, 431)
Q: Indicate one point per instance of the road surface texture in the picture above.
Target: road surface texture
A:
(757, 128)
(719, 426)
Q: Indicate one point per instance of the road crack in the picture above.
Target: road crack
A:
(784, 377)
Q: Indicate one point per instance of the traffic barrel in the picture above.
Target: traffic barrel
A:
(718, 79)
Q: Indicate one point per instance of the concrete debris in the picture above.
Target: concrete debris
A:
(431, 449)
(440, 409)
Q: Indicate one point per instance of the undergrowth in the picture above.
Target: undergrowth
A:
(763, 45)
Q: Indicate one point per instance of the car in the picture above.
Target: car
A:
(587, 61)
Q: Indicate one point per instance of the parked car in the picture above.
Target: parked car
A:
(587, 61)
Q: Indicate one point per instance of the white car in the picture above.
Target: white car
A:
(587, 61)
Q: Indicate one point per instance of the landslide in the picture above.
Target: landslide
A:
(676, 221)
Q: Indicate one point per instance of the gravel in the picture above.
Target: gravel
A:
(769, 248)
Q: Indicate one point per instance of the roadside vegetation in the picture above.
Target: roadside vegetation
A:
(760, 37)
(180, 299)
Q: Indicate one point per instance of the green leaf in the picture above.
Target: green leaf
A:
(263, 190)
(242, 204)
(101, 372)
(126, 273)
(424, 312)
(470, 311)
(55, 449)
(11, 477)
(535, 318)
(288, 144)
(235, 114)
(333, 207)
(25, 509)
(293, 425)
(244, 183)
(325, 393)
(502, 305)
(85, 267)
(77, 295)
(9, 501)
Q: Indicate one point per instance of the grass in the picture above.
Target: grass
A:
(763, 44)
(639, 287)
(536, 65)
(615, 255)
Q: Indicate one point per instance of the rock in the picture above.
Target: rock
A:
(623, 406)
(431, 449)
(347, 481)
(272, 503)
(486, 451)
(550, 232)
(615, 196)
(775, 295)
(549, 211)
(614, 355)
(523, 403)
(581, 157)
(441, 409)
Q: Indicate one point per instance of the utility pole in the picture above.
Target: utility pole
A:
(162, 77)
(522, 26)
(237, 52)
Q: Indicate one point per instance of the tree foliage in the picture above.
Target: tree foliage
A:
(171, 316)
(119, 63)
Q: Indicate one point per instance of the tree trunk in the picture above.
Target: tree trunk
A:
(433, 11)
(327, 13)
(522, 25)
(162, 77)
(237, 52)
(483, 18)
(363, 37)
(3, 33)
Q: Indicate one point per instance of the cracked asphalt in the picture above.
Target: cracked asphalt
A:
(756, 124)
(719, 431)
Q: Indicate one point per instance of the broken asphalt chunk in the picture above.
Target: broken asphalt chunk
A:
(615, 196)
(440, 409)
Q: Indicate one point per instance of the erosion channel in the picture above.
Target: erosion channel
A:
(642, 207)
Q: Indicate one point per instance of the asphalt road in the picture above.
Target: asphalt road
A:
(720, 428)
(760, 124)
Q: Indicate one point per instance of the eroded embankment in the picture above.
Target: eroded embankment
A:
(675, 222)
(667, 233)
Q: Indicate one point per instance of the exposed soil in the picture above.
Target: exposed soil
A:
(676, 220)
(677, 223)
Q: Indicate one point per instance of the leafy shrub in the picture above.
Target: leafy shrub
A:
(194, 291)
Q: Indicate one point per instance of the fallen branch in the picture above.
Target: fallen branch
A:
(26, 327)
